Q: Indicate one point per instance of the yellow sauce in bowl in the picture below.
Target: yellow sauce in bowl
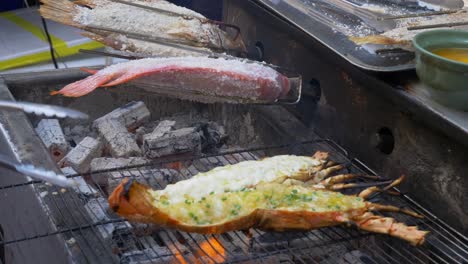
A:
(456, 54)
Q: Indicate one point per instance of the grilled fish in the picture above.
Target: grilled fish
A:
(214, 77)
(114, 23)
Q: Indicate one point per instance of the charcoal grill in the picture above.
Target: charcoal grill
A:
(327, 245)
(364, 120)
(55, 225)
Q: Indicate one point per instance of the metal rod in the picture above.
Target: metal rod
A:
(425, 14)
(181, 44)
(105, 53)
(453, 24)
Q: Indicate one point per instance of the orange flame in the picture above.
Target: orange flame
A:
(174, 165)
(213, 249)
(179, 257)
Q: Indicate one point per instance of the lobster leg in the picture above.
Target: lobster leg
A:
(326, 172)
(391, 208)
(344, 177)
(387, 225)
(322, 174)
(371, 190)
(330, 163)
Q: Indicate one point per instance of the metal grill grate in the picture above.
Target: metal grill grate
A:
(93, 233)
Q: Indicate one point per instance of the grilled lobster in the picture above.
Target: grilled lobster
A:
(297, 198)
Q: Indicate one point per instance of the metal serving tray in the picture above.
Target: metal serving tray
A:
(328, 21)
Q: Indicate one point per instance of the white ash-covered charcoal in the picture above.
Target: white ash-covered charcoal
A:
(151, 255)
(97, 210)
(158, 131)
(139, 133)
(80, 157)
(123, 239)
(213, 136)
(181, 141)
(119, 164)
(78, 132)
(118, 141)
(162, 128)
(355, 256)
(50, 131)
(131, 115)
(83, 187)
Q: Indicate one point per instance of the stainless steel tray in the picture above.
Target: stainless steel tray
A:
(328, 21)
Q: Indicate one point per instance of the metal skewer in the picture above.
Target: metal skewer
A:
(180, 44)
(109, 54)
(454, 24)
(434, 13)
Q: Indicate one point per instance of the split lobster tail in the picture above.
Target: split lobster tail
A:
(129, 200)
(277, 194)
(133, 201)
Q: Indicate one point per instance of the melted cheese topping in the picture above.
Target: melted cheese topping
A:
(222, 207)
(238, 176)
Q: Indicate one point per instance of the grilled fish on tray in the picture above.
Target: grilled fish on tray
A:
(278, 193)
(216, 77)
(117, 25)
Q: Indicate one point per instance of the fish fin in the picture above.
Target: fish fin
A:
(85, 86)
(122, 79)
(91, 71)
(134, 74)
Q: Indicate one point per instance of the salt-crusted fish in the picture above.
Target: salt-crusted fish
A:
(208, 76)
(190, 27)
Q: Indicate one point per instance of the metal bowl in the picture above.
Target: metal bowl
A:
(446, 80)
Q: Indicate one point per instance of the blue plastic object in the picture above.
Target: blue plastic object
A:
(209, 8)
(10, 5)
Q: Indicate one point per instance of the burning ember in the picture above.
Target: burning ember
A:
(213, 249)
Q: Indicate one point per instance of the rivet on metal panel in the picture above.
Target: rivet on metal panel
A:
(385, 142)
(313, 89)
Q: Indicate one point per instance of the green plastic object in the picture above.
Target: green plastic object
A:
(446, 80)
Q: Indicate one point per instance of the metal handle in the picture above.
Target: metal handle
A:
(38, 173)
(42, 109)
